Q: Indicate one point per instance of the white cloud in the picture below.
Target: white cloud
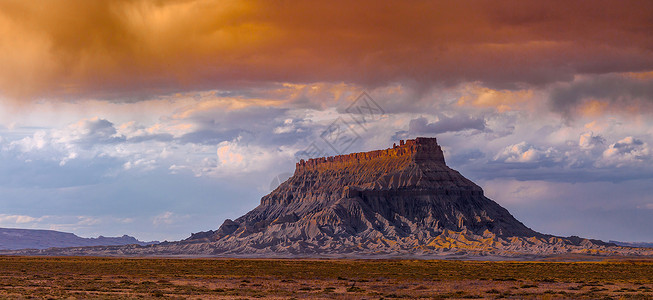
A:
(524, 153)
(9, 220)
(628, 150)
(230, 155)
(30, 143)
(143, 164)
(168, 218)
(287, 127)
(71, 156)
(589, 141)
(164, 218)
(238, 157)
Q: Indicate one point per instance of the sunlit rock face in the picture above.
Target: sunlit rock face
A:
(397, 200)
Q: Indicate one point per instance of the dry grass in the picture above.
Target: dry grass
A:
(84, 277)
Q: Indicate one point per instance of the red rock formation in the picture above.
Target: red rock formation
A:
(405, 194)
(401, 200)
(418, 149)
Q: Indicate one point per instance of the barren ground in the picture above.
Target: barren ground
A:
(85, 277)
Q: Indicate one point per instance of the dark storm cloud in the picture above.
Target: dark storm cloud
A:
(95, 131)
(209, 136)
(135, 49)
(159, 137)
(627, 146)
(465, 156)
(445, 124)
(615, 91)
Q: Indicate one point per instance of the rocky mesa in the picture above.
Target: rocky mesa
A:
(401, 201)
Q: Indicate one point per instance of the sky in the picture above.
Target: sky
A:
(161, 118)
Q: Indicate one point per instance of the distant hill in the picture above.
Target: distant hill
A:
(633, 244)
(12, 239)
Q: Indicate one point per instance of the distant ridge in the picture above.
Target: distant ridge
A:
(633, 244)
(13, 238)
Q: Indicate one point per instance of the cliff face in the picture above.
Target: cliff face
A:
(391, 199)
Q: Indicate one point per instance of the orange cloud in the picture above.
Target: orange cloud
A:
(135, 49)
(639, 75)
(501, 100)
(593, 108)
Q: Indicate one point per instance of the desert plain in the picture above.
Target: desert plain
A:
(214, 278)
